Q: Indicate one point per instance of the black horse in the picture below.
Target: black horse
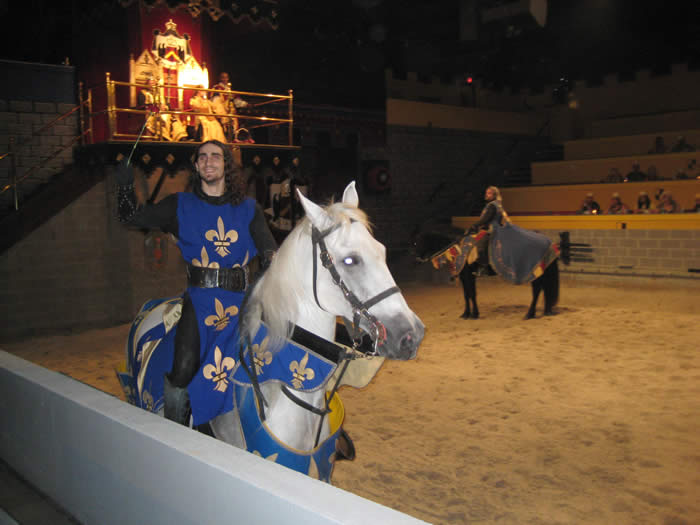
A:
(429, 245)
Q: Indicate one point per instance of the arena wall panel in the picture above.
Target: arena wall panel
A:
(106, 462)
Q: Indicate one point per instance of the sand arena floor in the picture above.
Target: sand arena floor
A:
(591, 416)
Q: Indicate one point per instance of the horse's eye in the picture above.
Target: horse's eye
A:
(351, 260)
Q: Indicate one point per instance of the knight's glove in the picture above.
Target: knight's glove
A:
(123, 173)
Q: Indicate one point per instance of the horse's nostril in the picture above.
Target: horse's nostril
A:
(408, 341)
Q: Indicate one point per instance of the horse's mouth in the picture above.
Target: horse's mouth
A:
(403, 339)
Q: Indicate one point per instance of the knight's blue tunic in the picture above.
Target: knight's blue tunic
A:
(225, 384)
(214, 236)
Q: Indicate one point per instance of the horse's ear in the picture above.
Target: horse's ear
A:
(314, 212)
(350, 195)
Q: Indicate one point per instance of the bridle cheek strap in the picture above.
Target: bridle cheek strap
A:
(359, 309)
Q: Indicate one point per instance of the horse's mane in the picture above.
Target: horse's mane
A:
(276, 296)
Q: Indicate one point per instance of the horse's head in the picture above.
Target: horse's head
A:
(348, 277)
(431, 239)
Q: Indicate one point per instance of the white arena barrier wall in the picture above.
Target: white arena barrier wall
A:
(107, 462)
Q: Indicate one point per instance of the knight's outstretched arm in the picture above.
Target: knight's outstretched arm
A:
(162, 215)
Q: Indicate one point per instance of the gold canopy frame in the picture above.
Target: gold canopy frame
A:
(263, 110)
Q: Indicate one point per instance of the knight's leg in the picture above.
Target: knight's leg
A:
(185, 366)
(482, 261)
(464, 275)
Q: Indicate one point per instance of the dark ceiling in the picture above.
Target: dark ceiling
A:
(581, 39)
(335, 52)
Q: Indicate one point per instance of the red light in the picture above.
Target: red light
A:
(469, 80)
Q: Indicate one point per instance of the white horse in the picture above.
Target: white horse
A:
(329, 266)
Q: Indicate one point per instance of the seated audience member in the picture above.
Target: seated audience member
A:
(696, 208)
(589, 206)
(636, 174)
(643, 203)
(659, 146)
(668, 203)
(616, 207)
(172, 127)
(211, 128)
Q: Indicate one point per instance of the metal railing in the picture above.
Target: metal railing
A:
(15, 147)
(258, 113)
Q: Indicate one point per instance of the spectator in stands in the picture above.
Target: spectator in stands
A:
(643, 203)
(681, 145)
(589, 206)
(668, 204)
(652, 174)
(617, 207)
(636, 174)
(696, 208)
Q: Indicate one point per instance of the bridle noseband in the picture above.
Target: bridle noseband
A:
(359, 309)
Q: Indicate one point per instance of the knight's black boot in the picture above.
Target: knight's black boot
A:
(176, 403)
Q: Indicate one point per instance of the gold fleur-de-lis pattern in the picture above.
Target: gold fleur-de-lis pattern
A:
(218, 372)
(271, 457)
(261, 355)
(299, 371)
(221, 238)
(204, 263)
(147, 400)
(221, 319)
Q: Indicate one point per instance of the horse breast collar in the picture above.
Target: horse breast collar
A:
(305, 363)
(359, 309)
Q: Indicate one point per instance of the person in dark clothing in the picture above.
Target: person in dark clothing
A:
(617, 207)
(643, 203)
(589, 206)
(223, 238)
(254, 176)
(636, 174)
(492, 211)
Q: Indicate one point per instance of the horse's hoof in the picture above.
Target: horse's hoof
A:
(344, 447)
(465, 315)
(550, 313)
(475, 315)
(529, 316)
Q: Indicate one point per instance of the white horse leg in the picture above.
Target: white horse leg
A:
(227, 428)
(292, 424)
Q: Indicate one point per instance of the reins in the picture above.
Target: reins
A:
(359, 309)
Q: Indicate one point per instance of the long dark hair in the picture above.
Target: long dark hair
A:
(235, 185)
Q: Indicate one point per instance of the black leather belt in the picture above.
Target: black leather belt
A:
(232, 279)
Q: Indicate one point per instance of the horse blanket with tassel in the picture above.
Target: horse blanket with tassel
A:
(517, 255)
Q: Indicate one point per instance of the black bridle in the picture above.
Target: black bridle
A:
(360, 310)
